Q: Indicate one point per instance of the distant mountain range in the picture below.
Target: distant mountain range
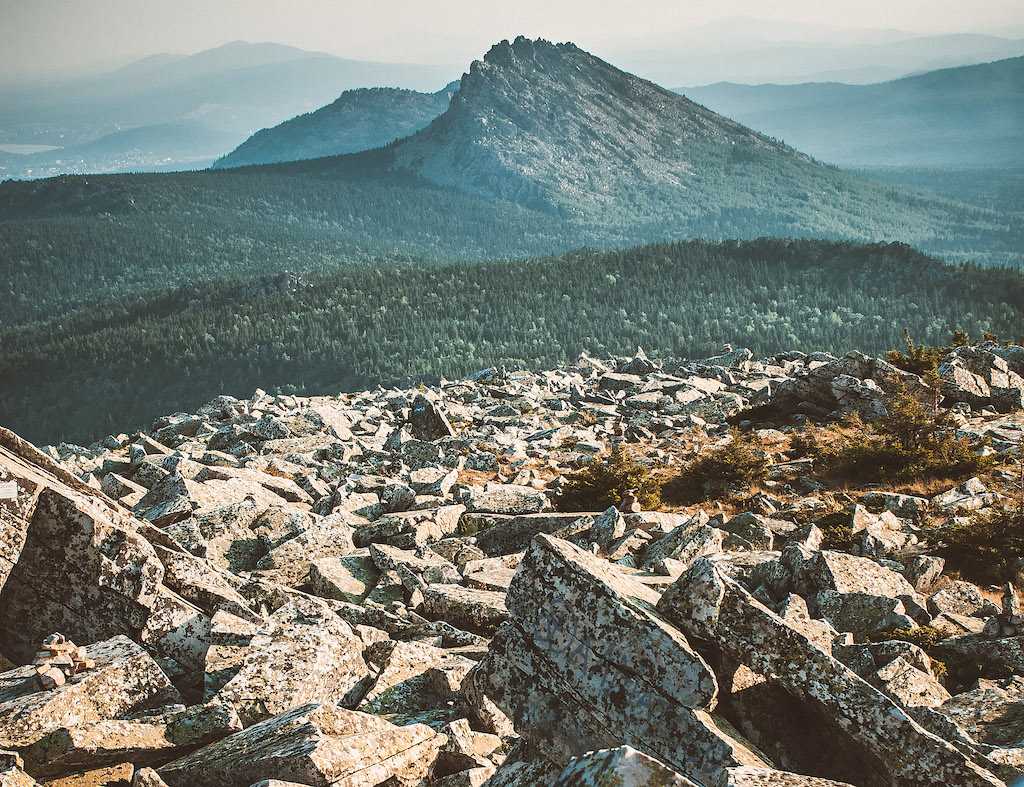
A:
(176, 145)
(972, 116)
(358, 120)
(543, 148)
(218, 98)
(758, 52)
(554, 128)
(232, 91)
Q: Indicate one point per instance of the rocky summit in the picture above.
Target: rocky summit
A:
(729, 571)
(555, 128)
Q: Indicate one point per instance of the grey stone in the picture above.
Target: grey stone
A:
(585, 663)
(317, 745)
(707, 604)
(622, 765)
(125, 678)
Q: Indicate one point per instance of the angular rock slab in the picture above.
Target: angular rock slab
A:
(502, 534)
(585, 663)
(506, 499)
(415, 676)
(314, 744)
(140, 741)
(707, 604)
(308, 654)
(624, 765)
(16, 777)
(767, 777)
(124, 679)
(72, 561)
(468, 608)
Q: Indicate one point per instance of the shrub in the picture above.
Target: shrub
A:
(837, 529)
(913, 442)
(735, 467)
(920, 358)
(926, 638)
(987, 548)
(604, 482)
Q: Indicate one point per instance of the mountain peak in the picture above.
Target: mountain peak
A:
(522, 49)
(552, 126)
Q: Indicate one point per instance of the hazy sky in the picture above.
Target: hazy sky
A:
(57, 34)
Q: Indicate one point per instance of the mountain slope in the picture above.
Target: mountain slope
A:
(236, 89)
(185, 144)
(357, 120)
(556, 128)
(545, 148)
(959, 117)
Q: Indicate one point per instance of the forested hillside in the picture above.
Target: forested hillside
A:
(134, 357)
(357, 120)
(69, 242)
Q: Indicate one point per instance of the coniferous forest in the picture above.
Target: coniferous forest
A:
(129, 295)
(129, 359)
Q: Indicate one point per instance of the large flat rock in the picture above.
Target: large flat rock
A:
(586, 663)
(125, 678)
(316, 745)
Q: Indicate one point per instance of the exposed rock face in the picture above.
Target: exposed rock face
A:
(708, 605)
(316, 745)
(585, 661)
(291, 591)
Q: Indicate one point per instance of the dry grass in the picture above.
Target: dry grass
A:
(914, 443)
(476, 477)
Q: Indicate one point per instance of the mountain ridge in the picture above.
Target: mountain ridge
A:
(505, 102)
(710, 59)
(544, 148)
(963, 116)
(360, 119)
(237, 92)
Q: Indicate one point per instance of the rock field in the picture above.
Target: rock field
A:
(382, 588)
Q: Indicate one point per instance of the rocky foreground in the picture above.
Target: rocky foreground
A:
(376, 589)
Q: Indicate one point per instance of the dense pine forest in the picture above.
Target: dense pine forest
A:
(129, 359)
(69, 242)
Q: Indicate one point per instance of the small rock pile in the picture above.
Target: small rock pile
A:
(377, 588)
(58, 659)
